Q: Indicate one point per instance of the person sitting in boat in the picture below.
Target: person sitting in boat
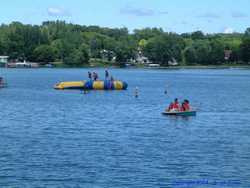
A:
(185, 106)
(174, 106)
(170, 107)
(183, 109)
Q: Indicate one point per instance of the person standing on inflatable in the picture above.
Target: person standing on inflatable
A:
(95, 76)
(112, 79)
(90, 75)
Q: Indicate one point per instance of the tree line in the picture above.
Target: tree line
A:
(72, 44)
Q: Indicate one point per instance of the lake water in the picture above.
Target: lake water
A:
(110, 139)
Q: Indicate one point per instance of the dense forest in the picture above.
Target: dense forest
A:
(58, 41)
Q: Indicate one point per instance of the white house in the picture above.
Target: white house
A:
(173, 62)
(3, 61)
(141, 59)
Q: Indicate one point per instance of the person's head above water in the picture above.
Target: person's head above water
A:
(175, 100)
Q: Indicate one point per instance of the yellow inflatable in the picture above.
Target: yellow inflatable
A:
(93, 85)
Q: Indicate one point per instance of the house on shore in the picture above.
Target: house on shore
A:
(22, 65)
(4, 61)
(141, 59)
(173, 62)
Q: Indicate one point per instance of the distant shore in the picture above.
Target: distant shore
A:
(143, 67)
(99, 65)
(207, 67)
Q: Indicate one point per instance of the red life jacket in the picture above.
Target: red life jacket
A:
(176, 105)
(183, 108)
(170, 106)
(186, 106)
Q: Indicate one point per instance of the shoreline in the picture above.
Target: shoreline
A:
(143, 66)
(230, 66)
(208, 67)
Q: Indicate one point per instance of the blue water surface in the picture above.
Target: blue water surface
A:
(110, 139)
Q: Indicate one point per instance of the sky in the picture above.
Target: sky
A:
(209, 16)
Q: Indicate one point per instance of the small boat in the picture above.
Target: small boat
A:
(184, 113)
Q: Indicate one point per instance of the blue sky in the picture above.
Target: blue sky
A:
(172, 15)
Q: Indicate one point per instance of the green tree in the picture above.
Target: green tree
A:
(59, 45)
(164, 48)
(247, 32)
(58, 40)
(245, 49)
(203, 49)
(15, 41)
(147, 33)
(197, 35)
(217, 52)
(142, 43)
(45, 54)
(78, 56)
(124, 53)
(190, 56)
(198, 53)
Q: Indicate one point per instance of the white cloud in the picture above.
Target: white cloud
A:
(58, 11)
(140, 11)
(228, 30)
(137, 11)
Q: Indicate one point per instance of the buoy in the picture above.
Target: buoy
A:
(136, 92)
(166, 90)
